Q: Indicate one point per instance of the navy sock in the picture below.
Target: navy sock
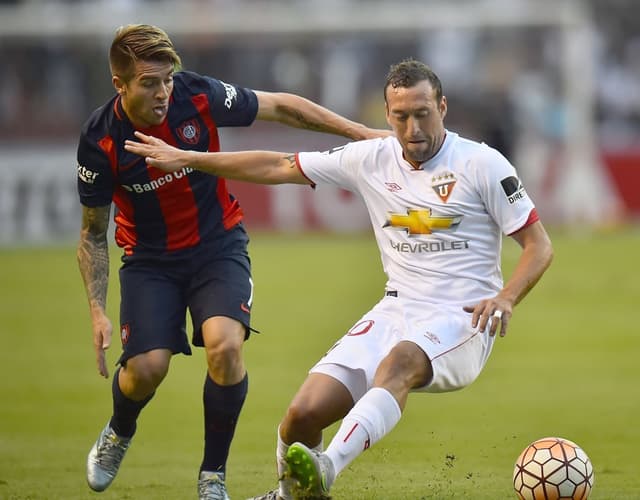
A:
(125, 410)
(222, 405)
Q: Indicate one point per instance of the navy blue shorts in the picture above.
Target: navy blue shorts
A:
(155, 294)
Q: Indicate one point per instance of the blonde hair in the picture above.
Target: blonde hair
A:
(135, 42)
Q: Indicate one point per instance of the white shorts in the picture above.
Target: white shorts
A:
(457, 351)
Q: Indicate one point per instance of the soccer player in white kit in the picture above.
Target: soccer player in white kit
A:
(439, 205)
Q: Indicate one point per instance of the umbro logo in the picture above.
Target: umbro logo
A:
(393, 187)
(432, 337)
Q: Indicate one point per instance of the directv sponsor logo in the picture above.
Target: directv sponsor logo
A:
(86, 175)
(159, 182)
(513, 188)
(430, 246)
(231, 92)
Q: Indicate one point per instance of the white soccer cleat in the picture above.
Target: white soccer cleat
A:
(211, 486)
(105, 458)
(313, 471)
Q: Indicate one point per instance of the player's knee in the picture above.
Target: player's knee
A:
(224, 351)
(223, 340)
(224, 360)
(302, 419)
(143, 374)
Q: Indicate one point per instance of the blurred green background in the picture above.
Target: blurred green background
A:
(568, 367)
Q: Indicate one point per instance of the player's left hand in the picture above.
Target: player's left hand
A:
(491, 312)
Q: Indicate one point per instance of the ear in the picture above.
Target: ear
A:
(118, 84)
(386, 112)
(443, 106)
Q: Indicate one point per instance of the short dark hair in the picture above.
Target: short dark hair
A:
(140, 41)
(408, 73)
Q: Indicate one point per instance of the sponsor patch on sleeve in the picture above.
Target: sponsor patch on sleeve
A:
(87, 175)
(513, 189)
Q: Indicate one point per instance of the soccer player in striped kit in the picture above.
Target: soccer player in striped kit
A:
(439, 205)
(184, 245)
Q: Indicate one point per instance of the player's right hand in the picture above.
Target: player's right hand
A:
(156, 152)
(101, 341)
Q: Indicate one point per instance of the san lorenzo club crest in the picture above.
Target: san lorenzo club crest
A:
(125, 332)
(189, 132)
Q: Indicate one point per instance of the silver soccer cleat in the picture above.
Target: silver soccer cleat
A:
(105, 458)
(211, 486)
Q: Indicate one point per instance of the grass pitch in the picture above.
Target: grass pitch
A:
(568, 367)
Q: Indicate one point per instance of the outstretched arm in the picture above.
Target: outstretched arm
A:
(262, 167)
(93, 261)
(296, 111)
(534, 260)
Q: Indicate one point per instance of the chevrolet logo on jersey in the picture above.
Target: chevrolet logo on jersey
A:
(420, 221)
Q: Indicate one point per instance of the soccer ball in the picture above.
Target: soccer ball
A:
(553, 468)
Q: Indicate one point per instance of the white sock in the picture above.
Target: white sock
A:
(284, 485)
(368, 422)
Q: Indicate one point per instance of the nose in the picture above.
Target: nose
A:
(163, 91)
(413, 126)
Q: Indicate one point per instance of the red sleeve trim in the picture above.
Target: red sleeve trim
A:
(533, 217)
(313, 184)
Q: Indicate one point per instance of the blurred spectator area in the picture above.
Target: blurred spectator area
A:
(57, 66)
(510, 75)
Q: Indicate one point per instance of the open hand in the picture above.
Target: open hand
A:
(491, 312)
(157, 153)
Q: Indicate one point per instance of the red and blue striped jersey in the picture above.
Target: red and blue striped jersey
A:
(159, 212)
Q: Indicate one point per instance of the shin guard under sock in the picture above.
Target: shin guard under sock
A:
(125, 410)
(372, 417)
(222, 406)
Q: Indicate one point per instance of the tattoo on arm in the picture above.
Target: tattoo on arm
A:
(93, 254)
(298, 119)
(291, 159)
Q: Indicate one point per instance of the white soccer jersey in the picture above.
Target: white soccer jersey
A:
(439, 228)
